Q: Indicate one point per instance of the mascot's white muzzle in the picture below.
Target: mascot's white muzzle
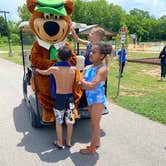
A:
(51, 30)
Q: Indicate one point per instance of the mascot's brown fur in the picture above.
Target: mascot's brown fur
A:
(49, 21)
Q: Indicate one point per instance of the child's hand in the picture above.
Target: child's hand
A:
(37, 70)
(79, 83)
(83, 84)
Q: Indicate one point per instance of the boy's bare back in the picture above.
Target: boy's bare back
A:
(64, 77)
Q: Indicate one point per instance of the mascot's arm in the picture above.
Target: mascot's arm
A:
(72, 61)
(40, 57)
(77, 91)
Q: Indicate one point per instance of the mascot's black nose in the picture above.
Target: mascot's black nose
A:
(51, 28)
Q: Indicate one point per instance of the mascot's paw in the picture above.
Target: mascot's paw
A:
(48, 116)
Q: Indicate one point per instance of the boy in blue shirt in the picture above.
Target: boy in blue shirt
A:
(95, 35)
(122, 54)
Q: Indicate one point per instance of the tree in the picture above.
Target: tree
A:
(3, 28)
(118, 17)
(23, 13)
(13, 27)
(110, 16)
(136, 22)
(162, 27)
(92, 12)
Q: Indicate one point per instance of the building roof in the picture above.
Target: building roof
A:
(86, 30)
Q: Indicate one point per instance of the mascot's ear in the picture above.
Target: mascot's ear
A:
(31, 5)
(69, 6)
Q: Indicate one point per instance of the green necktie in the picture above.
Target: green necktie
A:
(53, 53)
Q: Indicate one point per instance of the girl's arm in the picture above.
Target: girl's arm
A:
(46, 72)
(101, 76)
(77, 39)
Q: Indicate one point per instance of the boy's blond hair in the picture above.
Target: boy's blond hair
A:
(99, 31)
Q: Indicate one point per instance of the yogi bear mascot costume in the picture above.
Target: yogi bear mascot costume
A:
(50, 20)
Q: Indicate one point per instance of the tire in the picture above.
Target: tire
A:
(35, 122)
(25, 88)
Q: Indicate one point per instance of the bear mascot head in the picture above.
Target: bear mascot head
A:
(50, 22)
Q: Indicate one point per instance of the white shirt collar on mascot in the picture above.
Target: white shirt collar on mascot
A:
(47, 45)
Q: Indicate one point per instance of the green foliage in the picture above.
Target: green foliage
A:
(113, 17)
(3, 40)
(13, 27)
(15, 39)
(3, 28)
(23, 13)
(92, 12)
(117, 17)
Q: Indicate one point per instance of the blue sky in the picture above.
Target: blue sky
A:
(156, 8)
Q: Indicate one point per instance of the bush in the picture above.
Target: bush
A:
(3, 40)
(15, 39)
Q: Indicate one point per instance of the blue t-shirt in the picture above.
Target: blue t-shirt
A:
(88, 50)
(122, 55)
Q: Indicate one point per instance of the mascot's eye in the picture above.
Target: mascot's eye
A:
(56, 17)
(46, 15)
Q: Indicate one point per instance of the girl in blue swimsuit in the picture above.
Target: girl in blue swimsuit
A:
(93, 83)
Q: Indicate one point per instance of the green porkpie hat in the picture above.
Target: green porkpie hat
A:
(51, 6)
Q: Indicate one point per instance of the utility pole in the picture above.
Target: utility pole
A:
(77, 32)
(8, 34)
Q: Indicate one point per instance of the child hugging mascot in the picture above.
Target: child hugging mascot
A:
(50, 22)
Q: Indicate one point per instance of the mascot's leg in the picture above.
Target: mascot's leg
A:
(47, 104)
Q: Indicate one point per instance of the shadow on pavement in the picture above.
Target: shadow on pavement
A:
(39, 140)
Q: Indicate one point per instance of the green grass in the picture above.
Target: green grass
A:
(139, 55)
(140, 90)
(16, 54)
(6, 48)
(16, 58)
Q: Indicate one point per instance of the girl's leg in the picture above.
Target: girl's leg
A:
(96, 113)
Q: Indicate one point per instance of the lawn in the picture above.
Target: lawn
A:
(140, 90)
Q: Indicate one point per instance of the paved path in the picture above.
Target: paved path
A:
(127, 139)
(3, 52)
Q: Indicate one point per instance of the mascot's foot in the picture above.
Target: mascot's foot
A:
(48, 116)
